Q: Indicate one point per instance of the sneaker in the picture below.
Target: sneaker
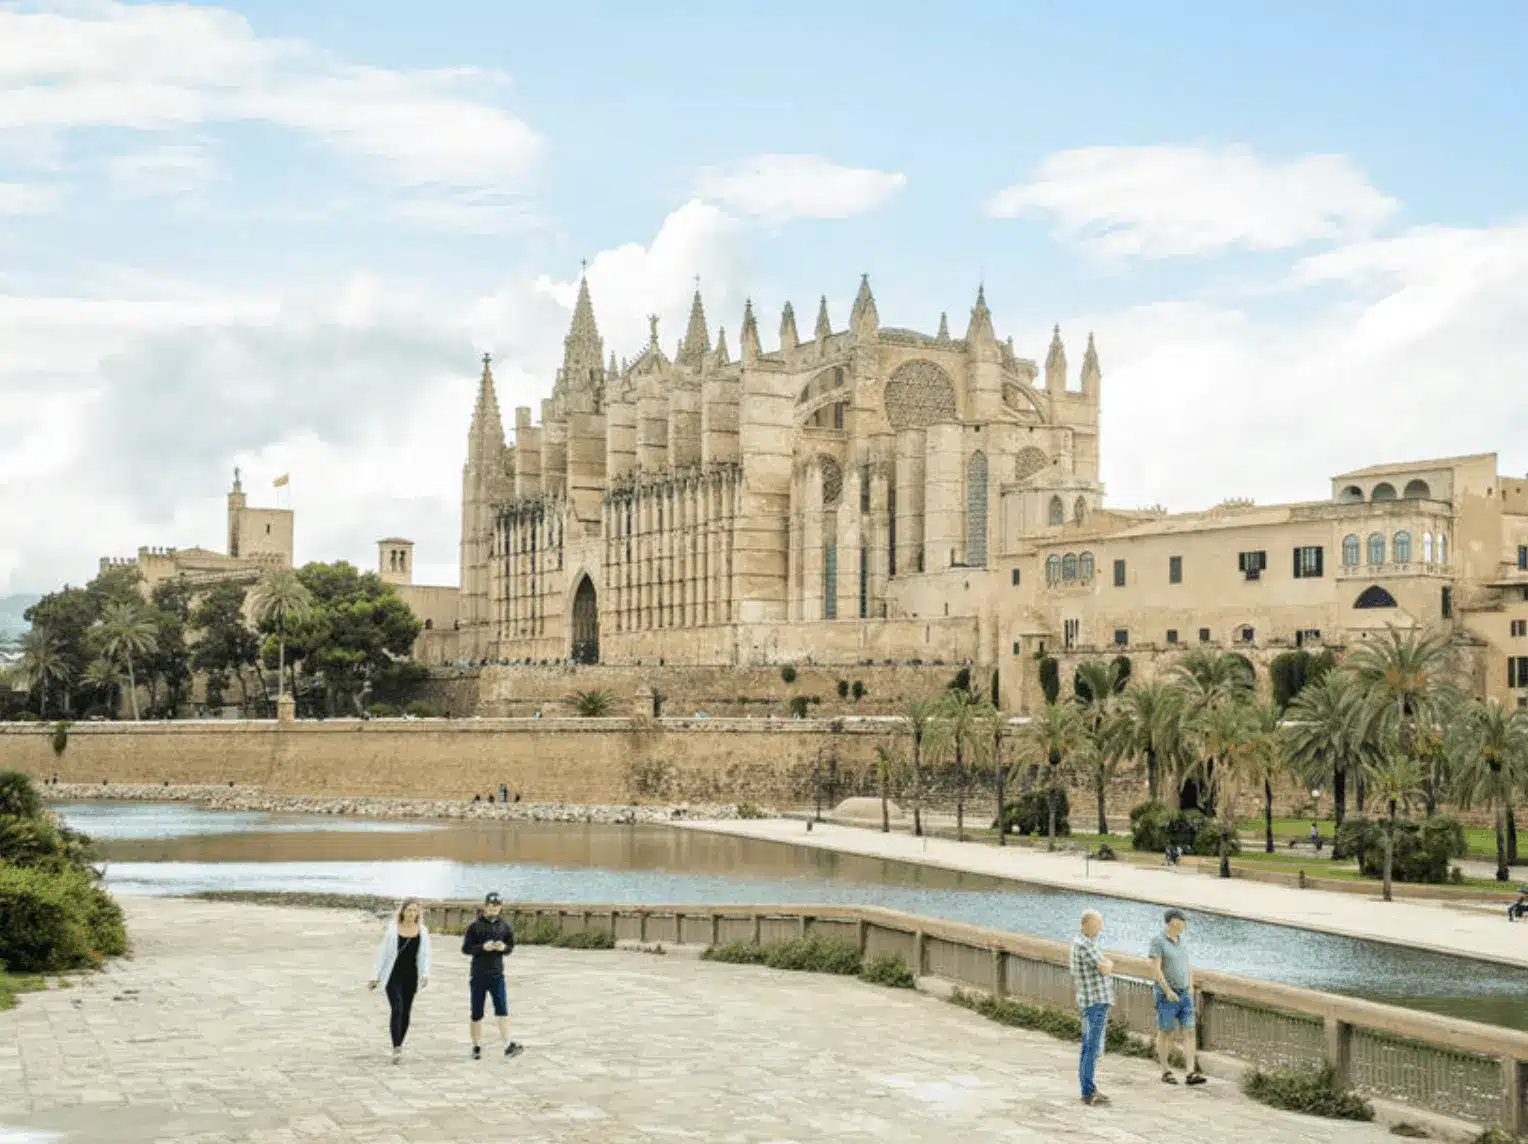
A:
(1196, 1077)
(477, 1052)
(1095, 1098)
(513, 1049)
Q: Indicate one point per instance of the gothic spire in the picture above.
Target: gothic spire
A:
(583, 351)
(487, 427)
(1091, 374)
(864, 310)
(1055, 364)
(788, 337)
(722, 357)
(944, 328)
(981, 317)
(697, 339)
(749, 342)
(824, 327)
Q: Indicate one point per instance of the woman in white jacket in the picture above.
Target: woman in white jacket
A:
(403, 965)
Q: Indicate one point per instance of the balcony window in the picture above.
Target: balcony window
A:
(1376, 548)
(1350, 550)
(1308, 562)
(1427, 548)
(1119, 573)
(1069, 567)
(1442, 549)
(1085, 567)
(1053, 570)
(1401, 546)
(1175, 569)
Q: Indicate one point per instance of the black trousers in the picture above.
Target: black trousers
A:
(400, 998)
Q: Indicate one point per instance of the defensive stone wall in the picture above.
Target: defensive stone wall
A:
(716, 691)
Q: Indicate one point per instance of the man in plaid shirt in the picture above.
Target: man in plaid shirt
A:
(1091, 968)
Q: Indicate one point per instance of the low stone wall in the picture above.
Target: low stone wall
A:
(1431, 1064)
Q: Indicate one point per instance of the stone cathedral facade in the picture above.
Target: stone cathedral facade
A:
(839, 498)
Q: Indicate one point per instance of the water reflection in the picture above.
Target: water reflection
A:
(202, 850)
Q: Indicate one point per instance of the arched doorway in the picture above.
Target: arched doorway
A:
(586, 623)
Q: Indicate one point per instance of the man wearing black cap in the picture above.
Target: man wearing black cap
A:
(486, 941)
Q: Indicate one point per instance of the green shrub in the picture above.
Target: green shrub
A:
(42, 842)
(10, 985)
(800, 705)
(1313, 1093)
(56, 919)
(586, 939)
(1410, 1130)
(748, 810)
(1422, 849)
(889, 970)
(422, 709)
(1153, 825)
(859, 689)
(1030, 813)
(1148, 826)
(788, 674)
(18, 795)
(1064, 1024)
(383, 711)
(810, 954)
(843, 689)
(594, 704)
(1050, 678)
(541, 931)
(60, 737)
(1496, 1136)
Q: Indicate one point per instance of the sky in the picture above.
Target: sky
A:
(280, 235)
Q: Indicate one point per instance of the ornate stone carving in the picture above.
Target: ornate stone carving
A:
(1029, 462)
(832, 481)
(918, 395)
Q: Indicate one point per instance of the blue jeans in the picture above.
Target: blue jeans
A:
(1095, 1019)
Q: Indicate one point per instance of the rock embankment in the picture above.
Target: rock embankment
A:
(257, 800)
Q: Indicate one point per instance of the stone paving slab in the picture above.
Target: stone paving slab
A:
(1415, 924)
(243, 1024)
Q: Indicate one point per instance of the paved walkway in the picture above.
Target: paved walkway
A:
(1420, 925)
(251, 1023)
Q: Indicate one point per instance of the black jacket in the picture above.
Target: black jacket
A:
(487, 963)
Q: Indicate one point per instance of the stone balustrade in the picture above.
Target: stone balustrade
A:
(1470, 1071)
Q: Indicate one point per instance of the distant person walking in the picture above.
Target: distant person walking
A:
(1173, 987)
(503, 792)
(1091, 968)
(403, 965)
(487, 941)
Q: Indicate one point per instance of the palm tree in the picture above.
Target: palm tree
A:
(1489, 748)
(1407, 676)
(1228, 740)
(1098, 684)
(1394, 779)
(283, 598)
(106, 676)
(919, 714)
(990, 733)
(954, 727)
(1266, 763)
(1048, 739)
(1323, 733)
(885, 766)
(125, 633)
(1148, 726)
(42, 662)
(1208, 679)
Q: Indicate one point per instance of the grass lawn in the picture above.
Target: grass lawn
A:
(1482, 842)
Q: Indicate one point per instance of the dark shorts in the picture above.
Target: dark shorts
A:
(484, 988)
(1173, 1015)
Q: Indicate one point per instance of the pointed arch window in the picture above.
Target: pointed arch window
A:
(1400, 547)
(1350, 550)
(976, 511)
(1079, 510)
(1053, 570)
(1069, 567)
(1374, 597)
(1376, 548)
(1057, 512)
(1427, 548)
(1442, 549)
(1085, 568)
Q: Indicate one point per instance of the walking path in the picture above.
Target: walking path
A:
(239, 1023)
(1417, 924)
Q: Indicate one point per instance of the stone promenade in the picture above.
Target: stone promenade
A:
(1417, 924)
(252, 1023)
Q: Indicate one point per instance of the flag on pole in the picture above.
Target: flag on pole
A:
(282, 481)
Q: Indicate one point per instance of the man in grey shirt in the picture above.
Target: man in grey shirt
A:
(1173, 987)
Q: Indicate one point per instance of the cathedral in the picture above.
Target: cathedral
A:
(835, 499)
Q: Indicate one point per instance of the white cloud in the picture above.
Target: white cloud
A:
(28, 199)
(1156, 202)
(125, 416)
(173, 169)
(162, 67)
(783, 187)
(1421, 355)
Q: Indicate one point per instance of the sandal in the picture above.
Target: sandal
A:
(1168, 1078)
(1195, 1077)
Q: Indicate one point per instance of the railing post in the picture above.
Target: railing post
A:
(716, 929)
(641, 925)
(1514, 1113)
(584, 926)
(999, 974)
(860, 932)
(918, 953)
(678, 928)
(801, 925)
(1202, 1002)
(758, 929)
(1339, 1049)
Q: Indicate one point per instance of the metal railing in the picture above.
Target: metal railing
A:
(1464, 1069)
